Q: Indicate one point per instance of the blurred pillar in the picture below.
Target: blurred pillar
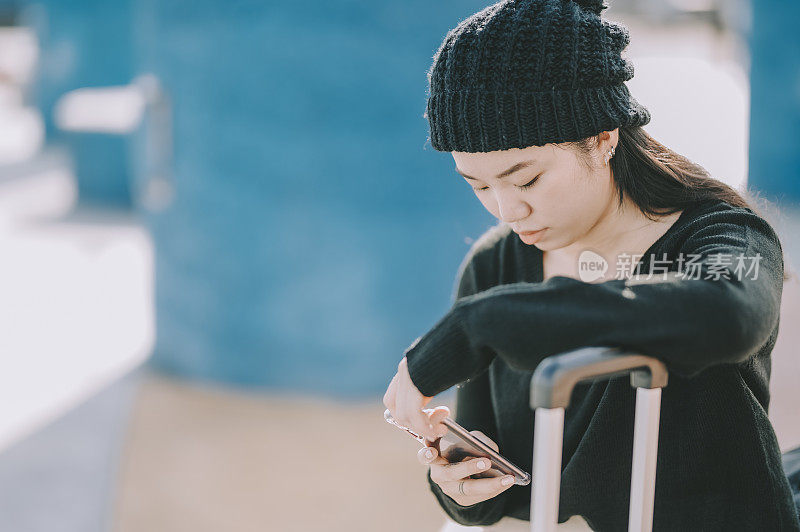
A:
(85, 43)
(775, 100)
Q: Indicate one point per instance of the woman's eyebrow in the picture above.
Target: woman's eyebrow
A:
(505, 173)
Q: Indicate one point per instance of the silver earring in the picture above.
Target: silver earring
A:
(610, 155)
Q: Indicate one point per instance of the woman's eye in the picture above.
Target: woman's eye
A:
(530, 183)
(526, 185)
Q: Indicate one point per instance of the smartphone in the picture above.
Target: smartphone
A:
(458, 444)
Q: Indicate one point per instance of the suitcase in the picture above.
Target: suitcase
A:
(551, 387)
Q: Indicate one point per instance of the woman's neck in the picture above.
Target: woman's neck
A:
(617, 228)
(620, 230)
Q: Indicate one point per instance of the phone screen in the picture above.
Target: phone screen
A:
(458, 444)
(454, 449)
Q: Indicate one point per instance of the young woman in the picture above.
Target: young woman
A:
(605, 238)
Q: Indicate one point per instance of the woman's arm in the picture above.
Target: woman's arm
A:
(473, 410)
(689, 323)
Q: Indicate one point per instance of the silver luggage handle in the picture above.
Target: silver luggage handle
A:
(551, 388)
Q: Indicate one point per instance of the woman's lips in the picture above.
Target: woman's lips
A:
(531, 237)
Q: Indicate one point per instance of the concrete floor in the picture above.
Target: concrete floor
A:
(205, 459)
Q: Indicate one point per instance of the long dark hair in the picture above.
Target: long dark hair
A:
(662, 182)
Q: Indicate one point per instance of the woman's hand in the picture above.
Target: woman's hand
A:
(405, 403)
(454, 479)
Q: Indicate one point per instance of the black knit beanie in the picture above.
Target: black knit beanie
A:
(527, 73)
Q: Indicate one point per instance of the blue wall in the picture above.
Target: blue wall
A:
(313, 234)
(775, 100)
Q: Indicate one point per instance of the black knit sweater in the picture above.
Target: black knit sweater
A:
(719, 464)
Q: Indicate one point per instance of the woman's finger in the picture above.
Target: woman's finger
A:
(489, 473)
(429, 456)
(435, 417)
(462, 470)
(486, 488)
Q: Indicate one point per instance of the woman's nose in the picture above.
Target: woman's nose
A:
(511, 208)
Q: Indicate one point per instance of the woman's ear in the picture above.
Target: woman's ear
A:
(607, 143)
(607, 139)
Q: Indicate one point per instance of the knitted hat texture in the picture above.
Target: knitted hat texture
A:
(527, 73)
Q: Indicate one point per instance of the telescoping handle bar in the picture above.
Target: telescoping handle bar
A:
(551, 388)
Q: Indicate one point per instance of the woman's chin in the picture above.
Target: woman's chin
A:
(545, 245)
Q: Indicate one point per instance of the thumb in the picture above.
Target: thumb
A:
(435, 418)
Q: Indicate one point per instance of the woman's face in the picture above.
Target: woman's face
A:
(540, 188)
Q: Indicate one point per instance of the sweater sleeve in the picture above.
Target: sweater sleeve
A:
(473, 410)
(714, 313)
